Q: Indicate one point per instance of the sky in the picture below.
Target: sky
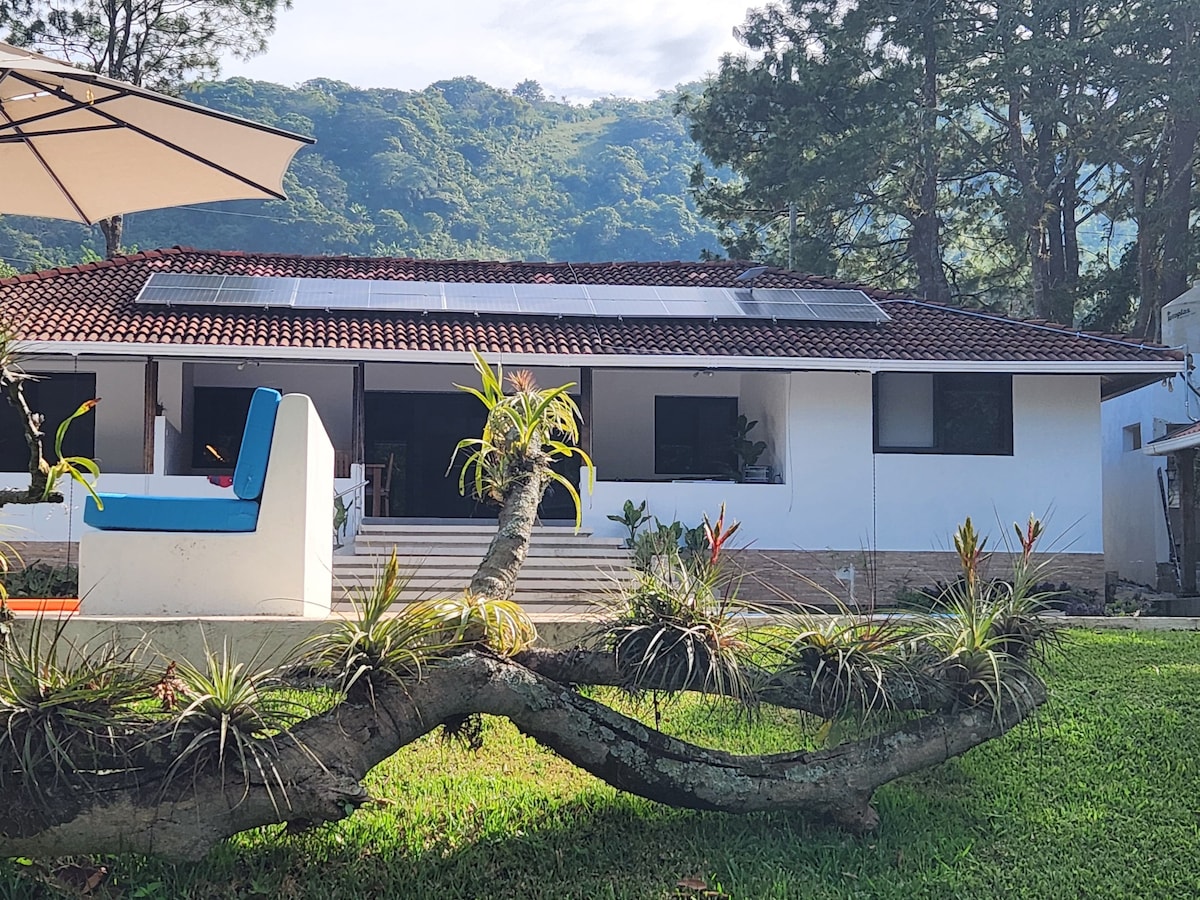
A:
(578, 49)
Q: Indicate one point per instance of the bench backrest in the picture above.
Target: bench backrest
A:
(251, 472)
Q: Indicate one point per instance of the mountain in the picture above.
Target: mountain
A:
(459, 169)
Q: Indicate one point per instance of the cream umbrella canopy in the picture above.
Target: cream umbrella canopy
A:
(76, 145)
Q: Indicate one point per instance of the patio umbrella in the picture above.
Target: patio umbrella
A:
(76, 145)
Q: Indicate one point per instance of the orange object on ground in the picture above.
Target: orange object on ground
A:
(51, 605)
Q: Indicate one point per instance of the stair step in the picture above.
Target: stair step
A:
(533, 568)
(581, 562)
(488, 528)
(480, 540)
(464, 551)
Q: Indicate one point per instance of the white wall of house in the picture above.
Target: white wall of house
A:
(1135, 530)
(840, 495)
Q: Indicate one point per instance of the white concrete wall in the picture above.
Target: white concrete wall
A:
(623, 414)
(120, 416)
(1054, 473)
(1135, 531)
(838, 495)
(64, 521)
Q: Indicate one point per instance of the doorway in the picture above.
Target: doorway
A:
(417, 432)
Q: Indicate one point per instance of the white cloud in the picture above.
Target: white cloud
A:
(575, 48)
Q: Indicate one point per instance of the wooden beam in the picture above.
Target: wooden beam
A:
(150, 412)
(1187, 514)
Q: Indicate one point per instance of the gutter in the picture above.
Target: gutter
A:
(204, 352)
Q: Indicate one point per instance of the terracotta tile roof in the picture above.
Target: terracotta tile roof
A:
(94, 303)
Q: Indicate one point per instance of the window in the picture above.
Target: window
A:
(218, 420)
(965, 414)
(694, 435)
(55, 395)
(1131, 437)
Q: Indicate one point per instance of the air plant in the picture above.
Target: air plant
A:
(530, 427)
(73, 467)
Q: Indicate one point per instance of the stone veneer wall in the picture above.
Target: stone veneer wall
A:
(54, 553)
(774, 574)
(807, 576)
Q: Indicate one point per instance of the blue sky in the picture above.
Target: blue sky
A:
(579, 49)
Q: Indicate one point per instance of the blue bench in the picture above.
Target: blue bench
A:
(126, 512)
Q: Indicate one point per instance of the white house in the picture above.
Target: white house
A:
(886, 419)
(1144, 434)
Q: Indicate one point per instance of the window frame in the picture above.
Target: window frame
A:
(730, 405)
(1003, 391)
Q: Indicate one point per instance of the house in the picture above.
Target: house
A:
(1147, 434)
(886, 419)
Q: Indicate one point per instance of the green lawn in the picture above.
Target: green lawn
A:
(1097, 798)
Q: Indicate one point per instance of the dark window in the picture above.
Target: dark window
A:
(218, 420)
(965, 414)
(694, 435)
(55, 395)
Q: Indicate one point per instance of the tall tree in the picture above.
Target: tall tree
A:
(838, 118)
(158, 44)
(1157, 147)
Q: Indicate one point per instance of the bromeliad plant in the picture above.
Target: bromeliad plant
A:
(63, 707)
(678, 624)
(529, 427)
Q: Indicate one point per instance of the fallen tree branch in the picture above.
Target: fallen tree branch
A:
(323, 759)
(790, 691)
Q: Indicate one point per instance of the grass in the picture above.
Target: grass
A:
(1100, 797)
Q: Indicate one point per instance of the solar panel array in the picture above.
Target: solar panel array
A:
(602, 300)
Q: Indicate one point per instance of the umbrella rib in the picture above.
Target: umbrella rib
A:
(195, 157)
(49, 171)
(61, 95)
(149, 136)
(122, 89)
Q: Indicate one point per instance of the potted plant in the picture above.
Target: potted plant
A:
(748, 452)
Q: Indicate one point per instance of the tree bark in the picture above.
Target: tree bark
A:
(924, 246)
(320, 770)
(112, 229)
(496, 576)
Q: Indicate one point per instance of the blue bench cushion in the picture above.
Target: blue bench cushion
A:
(251, 472)
(126, 512)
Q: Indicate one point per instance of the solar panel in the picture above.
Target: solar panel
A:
(555, 306)
(601, 300)
(173, 295)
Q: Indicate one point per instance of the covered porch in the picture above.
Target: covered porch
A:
(171, 426)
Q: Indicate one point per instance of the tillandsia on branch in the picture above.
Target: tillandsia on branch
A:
(313, 776)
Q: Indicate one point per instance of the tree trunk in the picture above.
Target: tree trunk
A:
(924, 246)
(496, 576)
(120, 805)
(12, 381)
(112, 230)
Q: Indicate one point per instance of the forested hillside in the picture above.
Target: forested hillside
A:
(460, 169)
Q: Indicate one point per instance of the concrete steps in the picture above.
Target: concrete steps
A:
(563, 568)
